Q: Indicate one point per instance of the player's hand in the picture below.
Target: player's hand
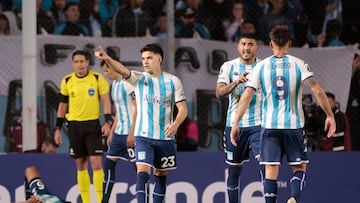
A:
(109, 139)
(170, 130)
(234, 135)
(57, 137)
(330, 126)
(105, 130)
(243, 78)
(100, 53)
(130, 141)
(34, 199)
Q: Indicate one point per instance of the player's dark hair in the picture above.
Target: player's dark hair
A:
(280, 35)
(248, 35)
(84, 53)
(331, 95)
(153, 48)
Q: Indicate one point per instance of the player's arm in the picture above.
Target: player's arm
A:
(180, 117)
(105, 100)
(241, 108)
(321, 97)
(112, 130)
(116, 65)
(130, 140)
(223, 89)
(60, 118)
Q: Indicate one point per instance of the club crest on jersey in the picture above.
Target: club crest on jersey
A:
(168, 86)
(91, 92)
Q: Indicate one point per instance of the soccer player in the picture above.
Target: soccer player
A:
(280, 76)
(80, 95)
(156, 94)
(36, 190)
(121, 137)
(231, 82)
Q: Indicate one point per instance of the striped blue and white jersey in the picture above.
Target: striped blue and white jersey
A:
(229, 72)
(280, 80)
(122, 94)
(155, 100)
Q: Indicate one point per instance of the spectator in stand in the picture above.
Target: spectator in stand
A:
(353, 106)
(333, 10)
(89, 16)
(331, 36)
(8, 24)
(159, 29)
(212, 13)
(183, 4)
(233, 24)
(314, 12)
(16, 132)
(48, 146)
(45, 22)
(107, 9)
(131, 20)
(256, 8)
(249, 27)
(279, 14)
(155, 8)
(72, 25)
(187, 136)
(341, 139)
(57, 11)
(351, 22)
(188, 27)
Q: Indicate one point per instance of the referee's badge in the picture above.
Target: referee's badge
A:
(91, 92)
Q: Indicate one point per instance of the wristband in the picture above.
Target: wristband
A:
(108, 118)
(59, 122)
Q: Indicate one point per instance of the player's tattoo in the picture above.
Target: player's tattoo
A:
(310, 82)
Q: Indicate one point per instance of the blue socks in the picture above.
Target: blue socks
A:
(270, 190)
(141, 187)
(159, 189)
(109, 178)
(233, 184)
(297, 184)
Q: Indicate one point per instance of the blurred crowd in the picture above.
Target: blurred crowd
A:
(312, 23)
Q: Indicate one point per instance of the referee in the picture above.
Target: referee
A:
(80, 95)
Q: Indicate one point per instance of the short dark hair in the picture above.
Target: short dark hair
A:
(248, 35)
(112, 54)
(50, 141)
(84, 53)
(68, 5)
(331, 95)
(153, 48)
(280, 35)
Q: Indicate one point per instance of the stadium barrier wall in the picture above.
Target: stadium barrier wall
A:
(200, 177)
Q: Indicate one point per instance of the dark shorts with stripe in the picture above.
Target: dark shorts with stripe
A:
(161, 154)
(249, 141)
(118, 149)
(277, 143)
(85, 138)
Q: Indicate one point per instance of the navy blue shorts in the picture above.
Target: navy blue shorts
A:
(118, 149)
(249, 141)
(160, 154)
(276, 143)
